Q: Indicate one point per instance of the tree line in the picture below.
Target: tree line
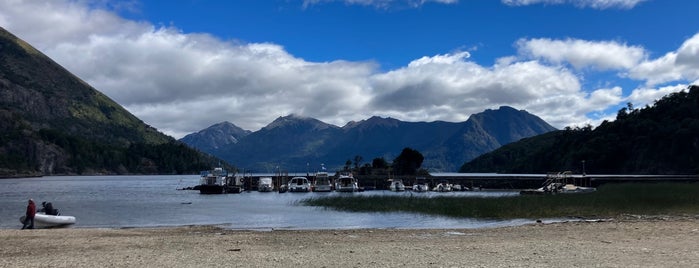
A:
(408, 162)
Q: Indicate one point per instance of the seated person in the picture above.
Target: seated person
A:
(48, 208)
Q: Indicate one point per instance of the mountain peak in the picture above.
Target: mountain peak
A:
(215, 136)
(507, 124)
(373, 121)
(294, 120)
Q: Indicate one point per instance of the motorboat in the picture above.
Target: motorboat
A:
(346, 183)
(322, 183)
(213, 181)
(397, 185)
(443, 186)
(299, 184)
(265, 185)
(572, 189)
(559, 183)
(421, 185)
(41, 219)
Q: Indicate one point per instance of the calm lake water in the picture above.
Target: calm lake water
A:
(150, 201)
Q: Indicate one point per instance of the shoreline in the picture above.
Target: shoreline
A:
(658, 241)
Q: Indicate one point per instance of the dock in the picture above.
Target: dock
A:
(495, 181)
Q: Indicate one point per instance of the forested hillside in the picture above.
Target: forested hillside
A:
(51, 122)
(658, 139)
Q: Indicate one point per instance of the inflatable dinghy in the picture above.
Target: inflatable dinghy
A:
(43, 220)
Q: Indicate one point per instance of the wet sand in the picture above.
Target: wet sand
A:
(657, 242)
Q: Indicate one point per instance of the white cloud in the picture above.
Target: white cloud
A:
(182, 82)
(682, 64)
(596, 4)
(448, 87)
(641, 96)
(602, 55)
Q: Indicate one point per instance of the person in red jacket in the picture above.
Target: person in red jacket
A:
(29, 217)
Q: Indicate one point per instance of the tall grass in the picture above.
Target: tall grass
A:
(608, 201)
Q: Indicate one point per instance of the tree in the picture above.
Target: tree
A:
(408, 162)
(379, 162)
(357, 161)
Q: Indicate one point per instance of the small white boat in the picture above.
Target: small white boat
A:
(559, 183)
(570, 188)
(346, 183)
(47, 221)
(397, 185)
(265, 184)
(443, 186)
(299, 184)
(421, 185)
(322, 183)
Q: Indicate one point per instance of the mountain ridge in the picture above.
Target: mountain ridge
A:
(295, 142)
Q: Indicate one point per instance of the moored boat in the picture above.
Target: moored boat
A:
(265, 184)
(299, 184)
(397, 185)
(213, 181)
(346, 183)
(421, 185)
(559, 183)
(443, 186)
(322, 182)
(41, 219)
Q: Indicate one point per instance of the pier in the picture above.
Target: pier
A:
(477, 180)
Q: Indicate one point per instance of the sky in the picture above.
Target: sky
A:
(182, 66)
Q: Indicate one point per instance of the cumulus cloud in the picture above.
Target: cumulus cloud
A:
(180, 82)
(603, 55)
(642, 96)
(596, 4)
(449, 87)
(184, 82)
(682, 64)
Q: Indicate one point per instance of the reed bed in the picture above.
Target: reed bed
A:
(608, 201)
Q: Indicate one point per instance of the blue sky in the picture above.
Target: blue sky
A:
(396, 34)
(184, 65)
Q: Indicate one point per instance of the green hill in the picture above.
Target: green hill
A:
(51, 122)
(658, 139)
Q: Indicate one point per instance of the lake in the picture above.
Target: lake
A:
(154, 201)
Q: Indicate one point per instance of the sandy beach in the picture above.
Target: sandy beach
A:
(655, 242)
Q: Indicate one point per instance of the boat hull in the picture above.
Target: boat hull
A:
(420, 188)
(322, 188)
(347, 189)
(211, 189)
(299, 189)
(47, 221)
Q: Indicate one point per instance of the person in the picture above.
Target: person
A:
(29, 217)
(48, 208)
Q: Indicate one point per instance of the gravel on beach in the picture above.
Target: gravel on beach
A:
(659, 242)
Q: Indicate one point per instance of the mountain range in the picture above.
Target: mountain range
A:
(300, 144)
(52, 122)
